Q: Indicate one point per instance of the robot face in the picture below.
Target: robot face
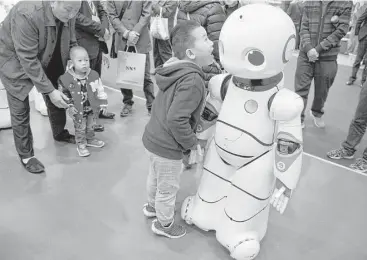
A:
(256, 41)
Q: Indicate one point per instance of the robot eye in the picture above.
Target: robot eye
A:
(256, 58)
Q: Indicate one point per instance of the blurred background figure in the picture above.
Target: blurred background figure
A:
(162, 50)
(295, 10)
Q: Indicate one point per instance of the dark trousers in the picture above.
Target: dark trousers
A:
(162, 52)
(20, 122)
(323, 73)
(361, 55)
(358, 125)
(148, 88)
(96, 63)
(56, 116)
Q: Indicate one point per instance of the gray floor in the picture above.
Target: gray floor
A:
(90, 208)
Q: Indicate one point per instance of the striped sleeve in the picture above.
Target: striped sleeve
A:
(305, 32)
(334, 38)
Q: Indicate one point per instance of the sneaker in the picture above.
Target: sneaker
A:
(340, 153)
(83, 151)
(303, 125)
(172, 231)
(95, 143)
(149, 211)
(318, 121)
(360, 165)
(126, 110)
(149, 112)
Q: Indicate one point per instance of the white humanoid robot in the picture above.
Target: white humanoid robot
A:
(253, 125)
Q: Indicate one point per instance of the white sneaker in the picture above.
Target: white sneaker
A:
(318, 121)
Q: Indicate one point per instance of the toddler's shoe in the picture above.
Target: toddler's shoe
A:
(172, 231)
(82, 150)
(149, 211)
(95, 143)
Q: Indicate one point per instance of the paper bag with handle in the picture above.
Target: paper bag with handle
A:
(130, 68)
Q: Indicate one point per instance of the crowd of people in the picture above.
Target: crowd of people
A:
(59, 48)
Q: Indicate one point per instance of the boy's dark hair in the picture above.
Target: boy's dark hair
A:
(181, 38)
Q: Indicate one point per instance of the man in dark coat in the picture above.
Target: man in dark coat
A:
(34, 48)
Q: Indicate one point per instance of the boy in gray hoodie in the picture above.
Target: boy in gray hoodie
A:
(170, 132)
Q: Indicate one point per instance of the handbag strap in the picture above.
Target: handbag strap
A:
(176, 14)
(160, 12)
(128, 46)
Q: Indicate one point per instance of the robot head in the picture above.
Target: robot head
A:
(256, 41)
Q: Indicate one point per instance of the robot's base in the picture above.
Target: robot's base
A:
(246, 250)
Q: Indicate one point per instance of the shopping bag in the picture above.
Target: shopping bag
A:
(159, 27)
(130, 69)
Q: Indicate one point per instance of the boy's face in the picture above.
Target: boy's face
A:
(202, 51)
(80, 61)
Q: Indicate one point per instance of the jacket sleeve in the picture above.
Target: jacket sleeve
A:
(144, 17)
(25, 37)
(213, 25)
(187, 99)
(305, 32)
(88, 25)
(113, 15)
(334, 38)
(360, 20)
(102, 14)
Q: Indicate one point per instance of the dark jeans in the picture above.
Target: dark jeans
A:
(148, 88)
(323, 73)
(162, 52)
(361, 55)
(84, 129)
(358, 125)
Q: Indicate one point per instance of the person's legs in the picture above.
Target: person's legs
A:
(325, 72)
(303, 79)
(23, 138)
(357, 129)
(148, 85)
(80, 136)
(20, 120)
(90, 135)
(156, 53)
(361, 51)
(96, 64)
(57, 118)
(149, 208)
(168, 174)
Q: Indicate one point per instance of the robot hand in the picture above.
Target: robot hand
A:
(196, 155)
(280, 197)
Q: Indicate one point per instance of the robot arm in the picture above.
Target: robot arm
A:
(217, 86)
(286, 108)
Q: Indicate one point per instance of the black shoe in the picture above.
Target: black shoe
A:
(98, 128)
(106, 115)
(66, 137)
(33, 166)
(350, 82)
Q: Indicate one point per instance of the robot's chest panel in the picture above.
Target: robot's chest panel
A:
(246, 109)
